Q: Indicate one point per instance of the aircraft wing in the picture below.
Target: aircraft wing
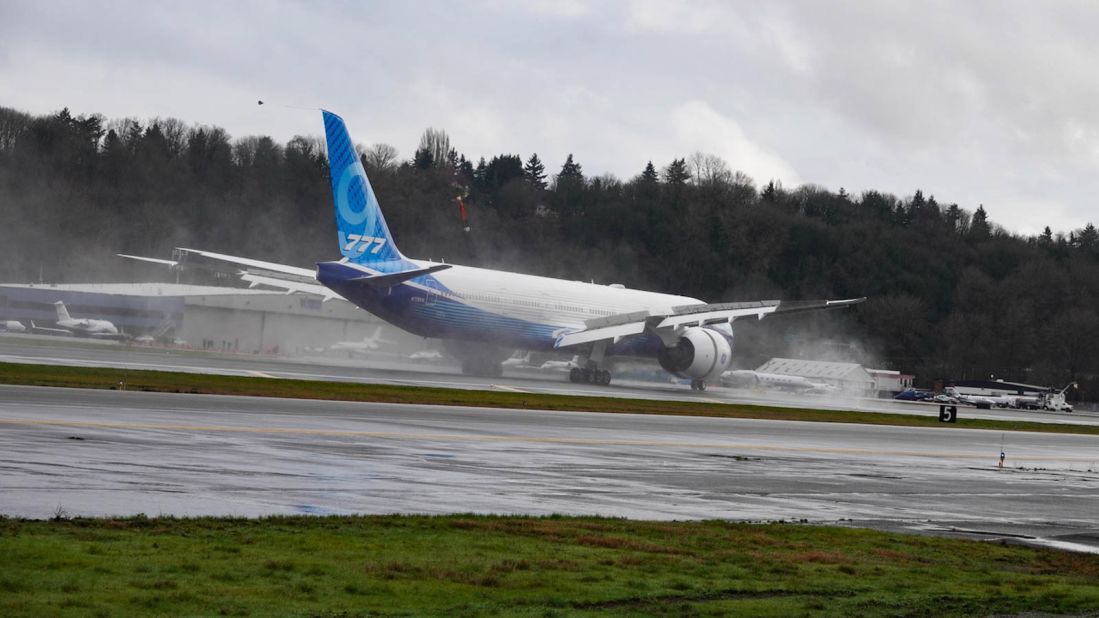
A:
(255, 272)
(616, 327)
(45, 330)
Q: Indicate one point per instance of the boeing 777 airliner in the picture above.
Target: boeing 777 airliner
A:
(491, 313)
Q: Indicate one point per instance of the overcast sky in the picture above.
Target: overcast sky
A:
(973, 102)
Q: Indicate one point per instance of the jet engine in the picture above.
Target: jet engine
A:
(700, 354)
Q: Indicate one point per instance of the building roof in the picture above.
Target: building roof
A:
(815, 369)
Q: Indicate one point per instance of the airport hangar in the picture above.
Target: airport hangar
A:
(209, 317)
(848, 377)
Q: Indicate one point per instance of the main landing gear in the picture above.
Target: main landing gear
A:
(589, 372)
(585, 375)
(698, 385)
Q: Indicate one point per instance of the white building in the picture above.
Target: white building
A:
(223, 318)
(851, 377)
(889, 381)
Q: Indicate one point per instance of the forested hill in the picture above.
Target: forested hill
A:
(952, 295)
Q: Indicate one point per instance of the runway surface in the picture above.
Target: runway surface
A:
(399, 370)
(121, 453)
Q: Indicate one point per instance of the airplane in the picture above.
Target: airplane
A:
(12, 326)
(747, 378)
(483, 315)
(426, 356)
(984, 402)
(84, 327)
(562, 365)
(518, 360)
(368, 344)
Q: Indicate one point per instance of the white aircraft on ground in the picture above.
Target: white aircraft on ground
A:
(562, 365)
(484, 315)
(517, 360)
(369, 344)
(426, 356)
(12, 326)
(750, 379)
(83, 327)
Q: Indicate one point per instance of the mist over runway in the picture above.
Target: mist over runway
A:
(122, 453)
(398, 370)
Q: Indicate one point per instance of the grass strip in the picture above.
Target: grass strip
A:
(211, 384)
(464, 565)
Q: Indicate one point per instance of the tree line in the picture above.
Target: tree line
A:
(952, 295)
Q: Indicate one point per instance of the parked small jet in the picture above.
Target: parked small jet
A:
(83, 327)
(562, 365)
(369, 344)
(517, 360)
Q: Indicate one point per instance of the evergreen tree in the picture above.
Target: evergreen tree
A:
(979, 228)
(770, 193)
(535, 172)
(423, 159)
(1088, 239)
(649, 176)
(570, 170)
(676, 173)
(953, 217)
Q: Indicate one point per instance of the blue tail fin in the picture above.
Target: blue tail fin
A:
(363, 234)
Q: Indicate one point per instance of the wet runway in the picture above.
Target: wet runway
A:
(398, 370)
(121, 453)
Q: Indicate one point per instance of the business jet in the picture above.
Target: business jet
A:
(372, 343)
(83, 327)
(519, 360)
(484, 315)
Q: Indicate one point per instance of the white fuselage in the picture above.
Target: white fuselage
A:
(89, 327)
(544, 300)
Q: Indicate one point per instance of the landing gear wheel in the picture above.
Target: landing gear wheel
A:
(575, 376)
(698, 385)
(603, 377)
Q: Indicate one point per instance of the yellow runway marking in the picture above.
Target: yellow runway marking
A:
(394, 435)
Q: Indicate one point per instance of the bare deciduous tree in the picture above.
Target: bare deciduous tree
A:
(380, 156)
(436, 143)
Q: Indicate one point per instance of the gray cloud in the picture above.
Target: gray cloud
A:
(975, 102)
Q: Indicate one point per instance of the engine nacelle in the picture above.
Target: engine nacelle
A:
(700, 354)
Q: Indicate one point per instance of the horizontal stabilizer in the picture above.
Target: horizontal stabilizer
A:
(359, 273)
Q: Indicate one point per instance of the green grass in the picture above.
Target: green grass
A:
(178, 382)
(518, 566)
